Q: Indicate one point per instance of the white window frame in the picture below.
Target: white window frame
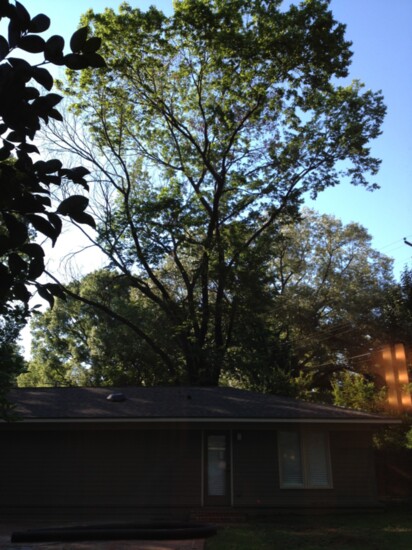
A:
(303, 438)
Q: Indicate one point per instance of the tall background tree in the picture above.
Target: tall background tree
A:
(206, 130)
(312, 305)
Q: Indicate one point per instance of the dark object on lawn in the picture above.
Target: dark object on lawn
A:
(146, 531)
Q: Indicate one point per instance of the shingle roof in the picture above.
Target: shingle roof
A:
(178, 403)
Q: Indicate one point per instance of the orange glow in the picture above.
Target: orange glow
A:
(390, 377)
(406, 400)
(400, 352)
(386, 354)
(392, 361)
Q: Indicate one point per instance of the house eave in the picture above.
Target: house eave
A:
(373, 421)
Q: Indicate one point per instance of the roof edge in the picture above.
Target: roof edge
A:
(128, 420)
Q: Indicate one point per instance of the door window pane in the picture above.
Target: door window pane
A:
(317, 459)
(216, 465)
(290, 459)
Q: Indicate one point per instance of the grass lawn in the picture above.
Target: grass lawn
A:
(389, 530)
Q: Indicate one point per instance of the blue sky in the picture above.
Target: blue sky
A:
(382, 44)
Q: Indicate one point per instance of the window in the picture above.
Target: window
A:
(304, 460)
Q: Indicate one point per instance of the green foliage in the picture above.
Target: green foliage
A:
(11, 361)
(354, 391)
(316, 307)
(298, 321)
(25, 204)
(75, 344)
(397, 315)
(213, 123)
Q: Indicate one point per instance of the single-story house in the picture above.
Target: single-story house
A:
(180, 453)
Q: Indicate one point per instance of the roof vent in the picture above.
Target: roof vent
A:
(116, 397)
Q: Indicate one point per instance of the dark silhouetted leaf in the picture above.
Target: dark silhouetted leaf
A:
(16, 264)
(53, 165)
(78, 39)
(31, 43)
(28, 204)
(21, 293)
(31, 93)
(56, 290)
(45, 294)
(36, 268)
(44, 226)
(21, 64)
(6, 280)
(15, 137)
(73, 205)
(76, 61)
(83, 218)
(23, 16)
(43, 77)
(16, 228)
(4, 153)
(4, 48)
(55, 43)
(92, 45)
(39, 23)
(5, 245)
(33, 250)
(95, 60)
(56, 221)
(54, 113)
(51, 100)
(53, 50)
(29, 148)
(14, 33)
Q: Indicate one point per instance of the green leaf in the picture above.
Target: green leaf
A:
(78, 39)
